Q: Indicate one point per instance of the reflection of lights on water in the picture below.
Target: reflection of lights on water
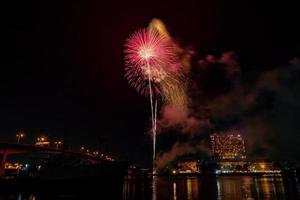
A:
(246, 187)
(129, 190)
(154, 185)
(219, 188)
(273, 187)
(189, 188)
(298, 185)
(31, 197)
(257, 188)
(126, 189)
(266, 186)
(192, 187)
(174, 191)
(222, 187)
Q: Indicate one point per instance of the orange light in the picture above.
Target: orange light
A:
(58, 142)
(20, 135)
(262, 165)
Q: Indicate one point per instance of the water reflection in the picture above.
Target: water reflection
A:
(154, 187)
(174, 191)
(184, 188)
(211, 187)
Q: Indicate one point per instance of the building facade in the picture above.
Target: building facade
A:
(228, 146)
(188, 166)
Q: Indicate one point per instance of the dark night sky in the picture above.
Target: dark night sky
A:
(61, 67)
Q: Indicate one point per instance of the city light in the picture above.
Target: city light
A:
(82, 148)
(13, 165)
(42, 141)
(228, 146)
(58, 144)
(20, 136)
(262, 165)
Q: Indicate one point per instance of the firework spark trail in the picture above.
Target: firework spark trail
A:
(153, 120)
(154, 136)
(149, 56)
(174, 91)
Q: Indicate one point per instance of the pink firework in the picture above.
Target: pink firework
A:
(148, 54)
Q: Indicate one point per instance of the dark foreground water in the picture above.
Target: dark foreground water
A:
(209, 187)
(178, 188)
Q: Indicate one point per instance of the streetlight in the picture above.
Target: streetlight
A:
(20, 136)
(42, 141)
(82, 148)
(58, 143)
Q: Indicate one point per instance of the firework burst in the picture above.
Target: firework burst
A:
(173, 86)
(148, 55)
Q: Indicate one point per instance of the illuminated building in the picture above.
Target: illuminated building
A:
(263, 167)
(188, 166)
(15, 166)
(228, 146)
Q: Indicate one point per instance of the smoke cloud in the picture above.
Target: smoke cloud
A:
(213, 95)
(180, 149)
(222, 98)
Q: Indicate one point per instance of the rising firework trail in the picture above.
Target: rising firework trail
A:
(148, 56)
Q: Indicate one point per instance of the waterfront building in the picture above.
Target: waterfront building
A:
(228, 146)
(188, 166)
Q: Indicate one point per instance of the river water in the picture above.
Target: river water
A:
(211, 187)
(180, 188)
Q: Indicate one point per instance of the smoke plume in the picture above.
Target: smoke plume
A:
(214, 94)
(263, 109)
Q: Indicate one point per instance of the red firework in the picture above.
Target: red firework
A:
(147, 52)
